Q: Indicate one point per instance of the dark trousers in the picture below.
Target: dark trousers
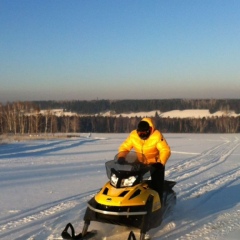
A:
(157, 178)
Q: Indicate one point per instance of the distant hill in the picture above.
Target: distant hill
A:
(173, 115)
(187, 113)
(134, 106)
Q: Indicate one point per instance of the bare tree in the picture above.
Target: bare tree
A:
(66, 124)
(75, 124)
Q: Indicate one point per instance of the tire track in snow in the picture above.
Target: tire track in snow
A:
(213, 157)
(37, 216)
(32, 217)
(200, 224)
(185, 163)
(222, 226)
(197, 165)
(45, 148)
(205, 187)
(209, 228)
(206, 228)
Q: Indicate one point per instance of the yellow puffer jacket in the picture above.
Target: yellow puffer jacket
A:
(155, 148)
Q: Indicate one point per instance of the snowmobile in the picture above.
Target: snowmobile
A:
(127, 199)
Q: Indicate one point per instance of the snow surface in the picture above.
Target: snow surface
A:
(187, 113)
(44, 184)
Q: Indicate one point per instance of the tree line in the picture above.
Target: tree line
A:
(25, 118)
(125, 106)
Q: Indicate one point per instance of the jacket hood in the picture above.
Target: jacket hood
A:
(150, 122)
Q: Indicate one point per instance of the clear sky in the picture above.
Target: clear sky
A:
(119, 49)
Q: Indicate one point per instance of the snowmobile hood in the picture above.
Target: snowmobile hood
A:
(127, 197)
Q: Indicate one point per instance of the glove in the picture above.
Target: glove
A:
(121, 160)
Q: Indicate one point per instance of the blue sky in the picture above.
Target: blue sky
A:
(119, 49)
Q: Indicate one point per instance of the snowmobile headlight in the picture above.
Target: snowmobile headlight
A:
(128, 182)
(114, 180)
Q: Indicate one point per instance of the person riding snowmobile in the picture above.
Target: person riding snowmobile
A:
(126, 198)
(150, 142)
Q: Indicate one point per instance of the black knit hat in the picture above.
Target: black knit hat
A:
(143, 126)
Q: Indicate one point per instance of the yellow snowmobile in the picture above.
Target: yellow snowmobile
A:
(127, 199)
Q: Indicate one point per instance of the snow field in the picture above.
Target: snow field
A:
(46, 184)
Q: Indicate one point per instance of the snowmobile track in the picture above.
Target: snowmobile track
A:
(209, 159)
(41, 214)
(199, 193)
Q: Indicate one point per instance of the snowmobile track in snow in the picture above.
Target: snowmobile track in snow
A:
(202, 192)
(41, 214)
(209, 159)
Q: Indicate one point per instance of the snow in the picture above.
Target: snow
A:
(197, 113)
(187, 113)
(45, 184)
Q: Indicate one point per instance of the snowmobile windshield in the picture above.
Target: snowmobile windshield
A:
(129, 165)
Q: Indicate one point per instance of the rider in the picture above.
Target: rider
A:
(149, 141)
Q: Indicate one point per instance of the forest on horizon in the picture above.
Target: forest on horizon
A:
(26, 118)
(134, 105)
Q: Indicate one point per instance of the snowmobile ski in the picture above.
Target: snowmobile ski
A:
(66, 235)
(131, 236)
